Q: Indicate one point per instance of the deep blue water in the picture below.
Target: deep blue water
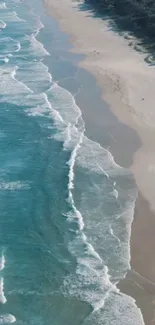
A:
(65, 206)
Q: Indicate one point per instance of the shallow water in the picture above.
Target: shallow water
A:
(66, 207)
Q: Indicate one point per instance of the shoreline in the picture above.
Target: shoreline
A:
(116, 94)
(119, 70)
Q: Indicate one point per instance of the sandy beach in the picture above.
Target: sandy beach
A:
(128, 87)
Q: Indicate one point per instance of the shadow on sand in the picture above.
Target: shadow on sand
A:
(138, 38)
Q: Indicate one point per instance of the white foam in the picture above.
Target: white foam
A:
(37, 47)
(8, 44)
(11, 186)
(39, 25)
(7, 319)
(2, 24)
(71, 127)
(35, 75)
(114, 193)
(91, 250)
(116, 309)
(94, 286)
(3, 5)
(37, 105)
(74, 213)
(12, 90)
(18, 47)
(6, 60)
(67, 136)
(90, 283)
(17, 18)
(71, 162)
(13, 74)
(98, 159)
(2, 296)
(2, 262)
(36, 111)
(38, 22)
(64, 102)
(56, 115)
(10, 16)
(112, 233)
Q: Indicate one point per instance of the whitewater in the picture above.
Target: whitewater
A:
(67, 207)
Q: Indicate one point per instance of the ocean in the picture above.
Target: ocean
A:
(66, 207)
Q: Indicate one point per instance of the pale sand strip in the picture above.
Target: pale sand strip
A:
(127, 81)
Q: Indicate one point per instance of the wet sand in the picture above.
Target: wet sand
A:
(119, 71)
(140, 281)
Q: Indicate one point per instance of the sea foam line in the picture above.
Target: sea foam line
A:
(112, 233)
(70, 199)
(2, 24)
(7, 319)
(13, 75)
(38, 45)
(76, 214)
(3, 5)
(38, 19)
(2, 262)
(12, 186)
(18, 47)
(2, 296)
(56, 115)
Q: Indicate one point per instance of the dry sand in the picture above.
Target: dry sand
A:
(128, 85)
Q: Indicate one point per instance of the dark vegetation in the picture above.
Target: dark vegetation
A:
(136, 16)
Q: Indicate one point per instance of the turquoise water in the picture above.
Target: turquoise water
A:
(65, 206)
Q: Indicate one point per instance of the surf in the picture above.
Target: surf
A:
(45, 102)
